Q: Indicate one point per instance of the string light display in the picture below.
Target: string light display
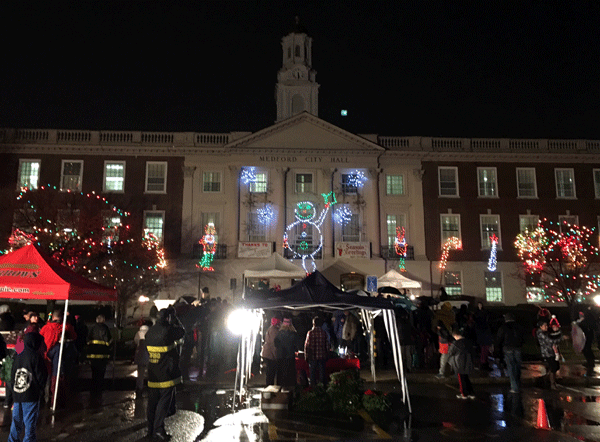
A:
(452, 243)
(356, 179)
(400, 246)
(248, 175)
(266, 215)
(69, 227)
(492, 262)
(209, 247)
(305, 228)
(342, 215)
(561, 255)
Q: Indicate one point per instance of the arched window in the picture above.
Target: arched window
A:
(297, 52)
(297, 104)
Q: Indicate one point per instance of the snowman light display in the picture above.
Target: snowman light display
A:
(304, 226)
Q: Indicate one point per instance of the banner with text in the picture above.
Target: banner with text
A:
(353, 249)
(255, 249)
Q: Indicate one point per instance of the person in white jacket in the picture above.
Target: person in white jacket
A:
(141, 355)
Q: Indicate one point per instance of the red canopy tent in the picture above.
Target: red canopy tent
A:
(28, 273)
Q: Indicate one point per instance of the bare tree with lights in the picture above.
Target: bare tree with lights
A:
(563, 258)
(95, 239)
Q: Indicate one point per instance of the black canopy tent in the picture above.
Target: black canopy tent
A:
(315, 291)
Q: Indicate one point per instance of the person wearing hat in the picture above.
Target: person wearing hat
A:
(510, 339)
(162, 341)
(268, 350)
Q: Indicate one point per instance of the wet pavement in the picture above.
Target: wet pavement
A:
(205, 412)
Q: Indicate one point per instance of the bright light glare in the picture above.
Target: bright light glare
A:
(144, 298)
(597, 299)
(163, 303)
(240, 320)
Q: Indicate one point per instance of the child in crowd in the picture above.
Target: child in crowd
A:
(461, 360)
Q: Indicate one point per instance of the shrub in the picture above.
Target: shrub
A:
(313, 400)
(345, 389)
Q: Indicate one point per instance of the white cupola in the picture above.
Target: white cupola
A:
(296, 89)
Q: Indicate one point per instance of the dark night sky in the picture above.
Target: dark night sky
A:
(523, 68)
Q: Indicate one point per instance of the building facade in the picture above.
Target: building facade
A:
(321, 196)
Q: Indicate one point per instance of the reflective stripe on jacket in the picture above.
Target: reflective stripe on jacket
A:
(99, 339)
(163, 366)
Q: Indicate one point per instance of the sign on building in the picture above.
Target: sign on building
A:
(371, 283)
(255, 249)
(353, 250)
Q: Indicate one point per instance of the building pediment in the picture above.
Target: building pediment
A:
(305, 132)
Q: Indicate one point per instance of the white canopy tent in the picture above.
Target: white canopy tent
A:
(397, 280)
(275, 266)
(317, 292)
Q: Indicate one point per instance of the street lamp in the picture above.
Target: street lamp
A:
(143, 299)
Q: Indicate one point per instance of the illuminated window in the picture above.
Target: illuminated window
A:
(394, 221)
(211, 182)
(352, 281)
(29, 174)
(111, 222)
(534, 292)
(488, 182)
(490, 225)
(256, 230)
(304, 182)
(114, 176)
(71, 175)
(450, 225)
(453, 283)
(395, 184)
(349, 186)
(448, 181)
(351, 230)
(493, 286)
(526, 184)
(213, 218)
(565, 221)
(528, 222)
(260, 184)
(565, 183)
(156, 177)
(67, 221)
(154, 223)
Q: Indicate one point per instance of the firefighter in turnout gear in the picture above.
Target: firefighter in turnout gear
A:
(98, 353)
(162, 341)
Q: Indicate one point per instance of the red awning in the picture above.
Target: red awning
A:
(28, 273)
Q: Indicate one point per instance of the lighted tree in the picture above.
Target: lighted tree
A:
(92, 237)
(563, 257)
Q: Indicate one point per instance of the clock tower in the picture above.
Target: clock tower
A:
(296, 89)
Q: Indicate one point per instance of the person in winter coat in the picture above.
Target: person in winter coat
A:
(286, 345)
(444, 341)
(98, 353)
(316, 352)
(164, 374)
(268, 351)
(29, 379)
(446, 315)
(587, 323)
(510, 339)
(483, 334)
(141, 357)
(52, 332)
(549, 355)
(461, 360)
(349, 331)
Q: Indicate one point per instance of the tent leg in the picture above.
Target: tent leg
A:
(62, 340)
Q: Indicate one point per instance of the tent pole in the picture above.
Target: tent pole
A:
(62, 343)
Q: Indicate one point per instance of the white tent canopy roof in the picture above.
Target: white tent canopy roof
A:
(275, 266)
(395, 279)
